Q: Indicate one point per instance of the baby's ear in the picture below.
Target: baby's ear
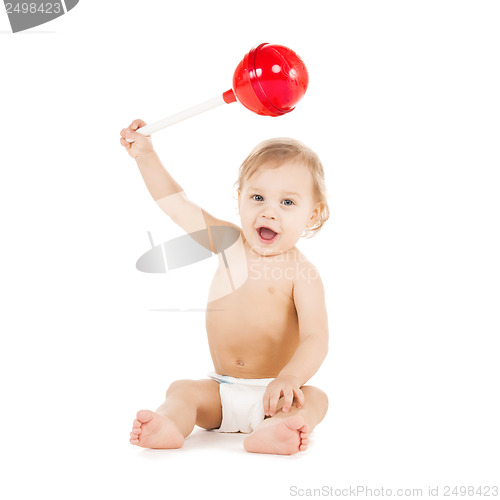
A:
(316, 214)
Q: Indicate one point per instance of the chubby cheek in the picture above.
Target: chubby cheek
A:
(291, 235)
(247, 218)
(294, 225)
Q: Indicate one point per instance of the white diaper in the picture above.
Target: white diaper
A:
(241, 399)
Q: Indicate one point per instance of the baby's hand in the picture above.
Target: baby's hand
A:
(141, 145)
(286, 386)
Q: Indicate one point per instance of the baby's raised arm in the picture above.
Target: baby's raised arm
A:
(158, 181)
(167, 193)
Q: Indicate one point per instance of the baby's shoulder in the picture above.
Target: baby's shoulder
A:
(297, 256)
(303, 265)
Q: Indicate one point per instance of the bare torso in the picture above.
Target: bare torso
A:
(253, 331)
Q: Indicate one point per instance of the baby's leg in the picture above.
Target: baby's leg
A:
(188, 402)
(288, 433)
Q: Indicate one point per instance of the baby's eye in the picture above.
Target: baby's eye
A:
(257, 197)
(288, 202)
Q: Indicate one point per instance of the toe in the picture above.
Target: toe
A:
(136, 423)
(144, 416)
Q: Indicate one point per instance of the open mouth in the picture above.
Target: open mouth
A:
(267, 235)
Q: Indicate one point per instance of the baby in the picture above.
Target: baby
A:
(267, 322)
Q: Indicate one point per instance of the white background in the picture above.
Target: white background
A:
(403, 108)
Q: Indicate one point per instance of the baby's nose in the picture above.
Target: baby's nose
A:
(268, 212)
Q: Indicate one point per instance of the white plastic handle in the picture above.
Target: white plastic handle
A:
(183, 115)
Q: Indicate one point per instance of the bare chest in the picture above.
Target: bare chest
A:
(262, 305)
(254, 328)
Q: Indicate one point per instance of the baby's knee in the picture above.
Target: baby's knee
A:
(185, 386)
(315, 395)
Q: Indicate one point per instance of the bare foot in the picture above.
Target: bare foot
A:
(283, 437)
(151, 430)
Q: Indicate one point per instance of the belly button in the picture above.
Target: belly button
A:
(240, 363)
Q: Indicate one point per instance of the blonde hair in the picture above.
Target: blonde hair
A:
(274, 153)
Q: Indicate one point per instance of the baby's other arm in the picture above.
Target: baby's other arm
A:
(309, 299)
(167, 193)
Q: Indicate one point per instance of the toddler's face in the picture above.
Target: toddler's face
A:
(276, 205)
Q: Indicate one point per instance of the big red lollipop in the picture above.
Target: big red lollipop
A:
(270, 80)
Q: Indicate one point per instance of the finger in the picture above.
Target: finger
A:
(125, 143)
(288, 400)
(132, 136)
(273, 402)
(265, 401)
(137, 124)
(299, 398)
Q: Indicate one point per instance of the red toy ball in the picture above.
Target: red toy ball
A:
(270, 80)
